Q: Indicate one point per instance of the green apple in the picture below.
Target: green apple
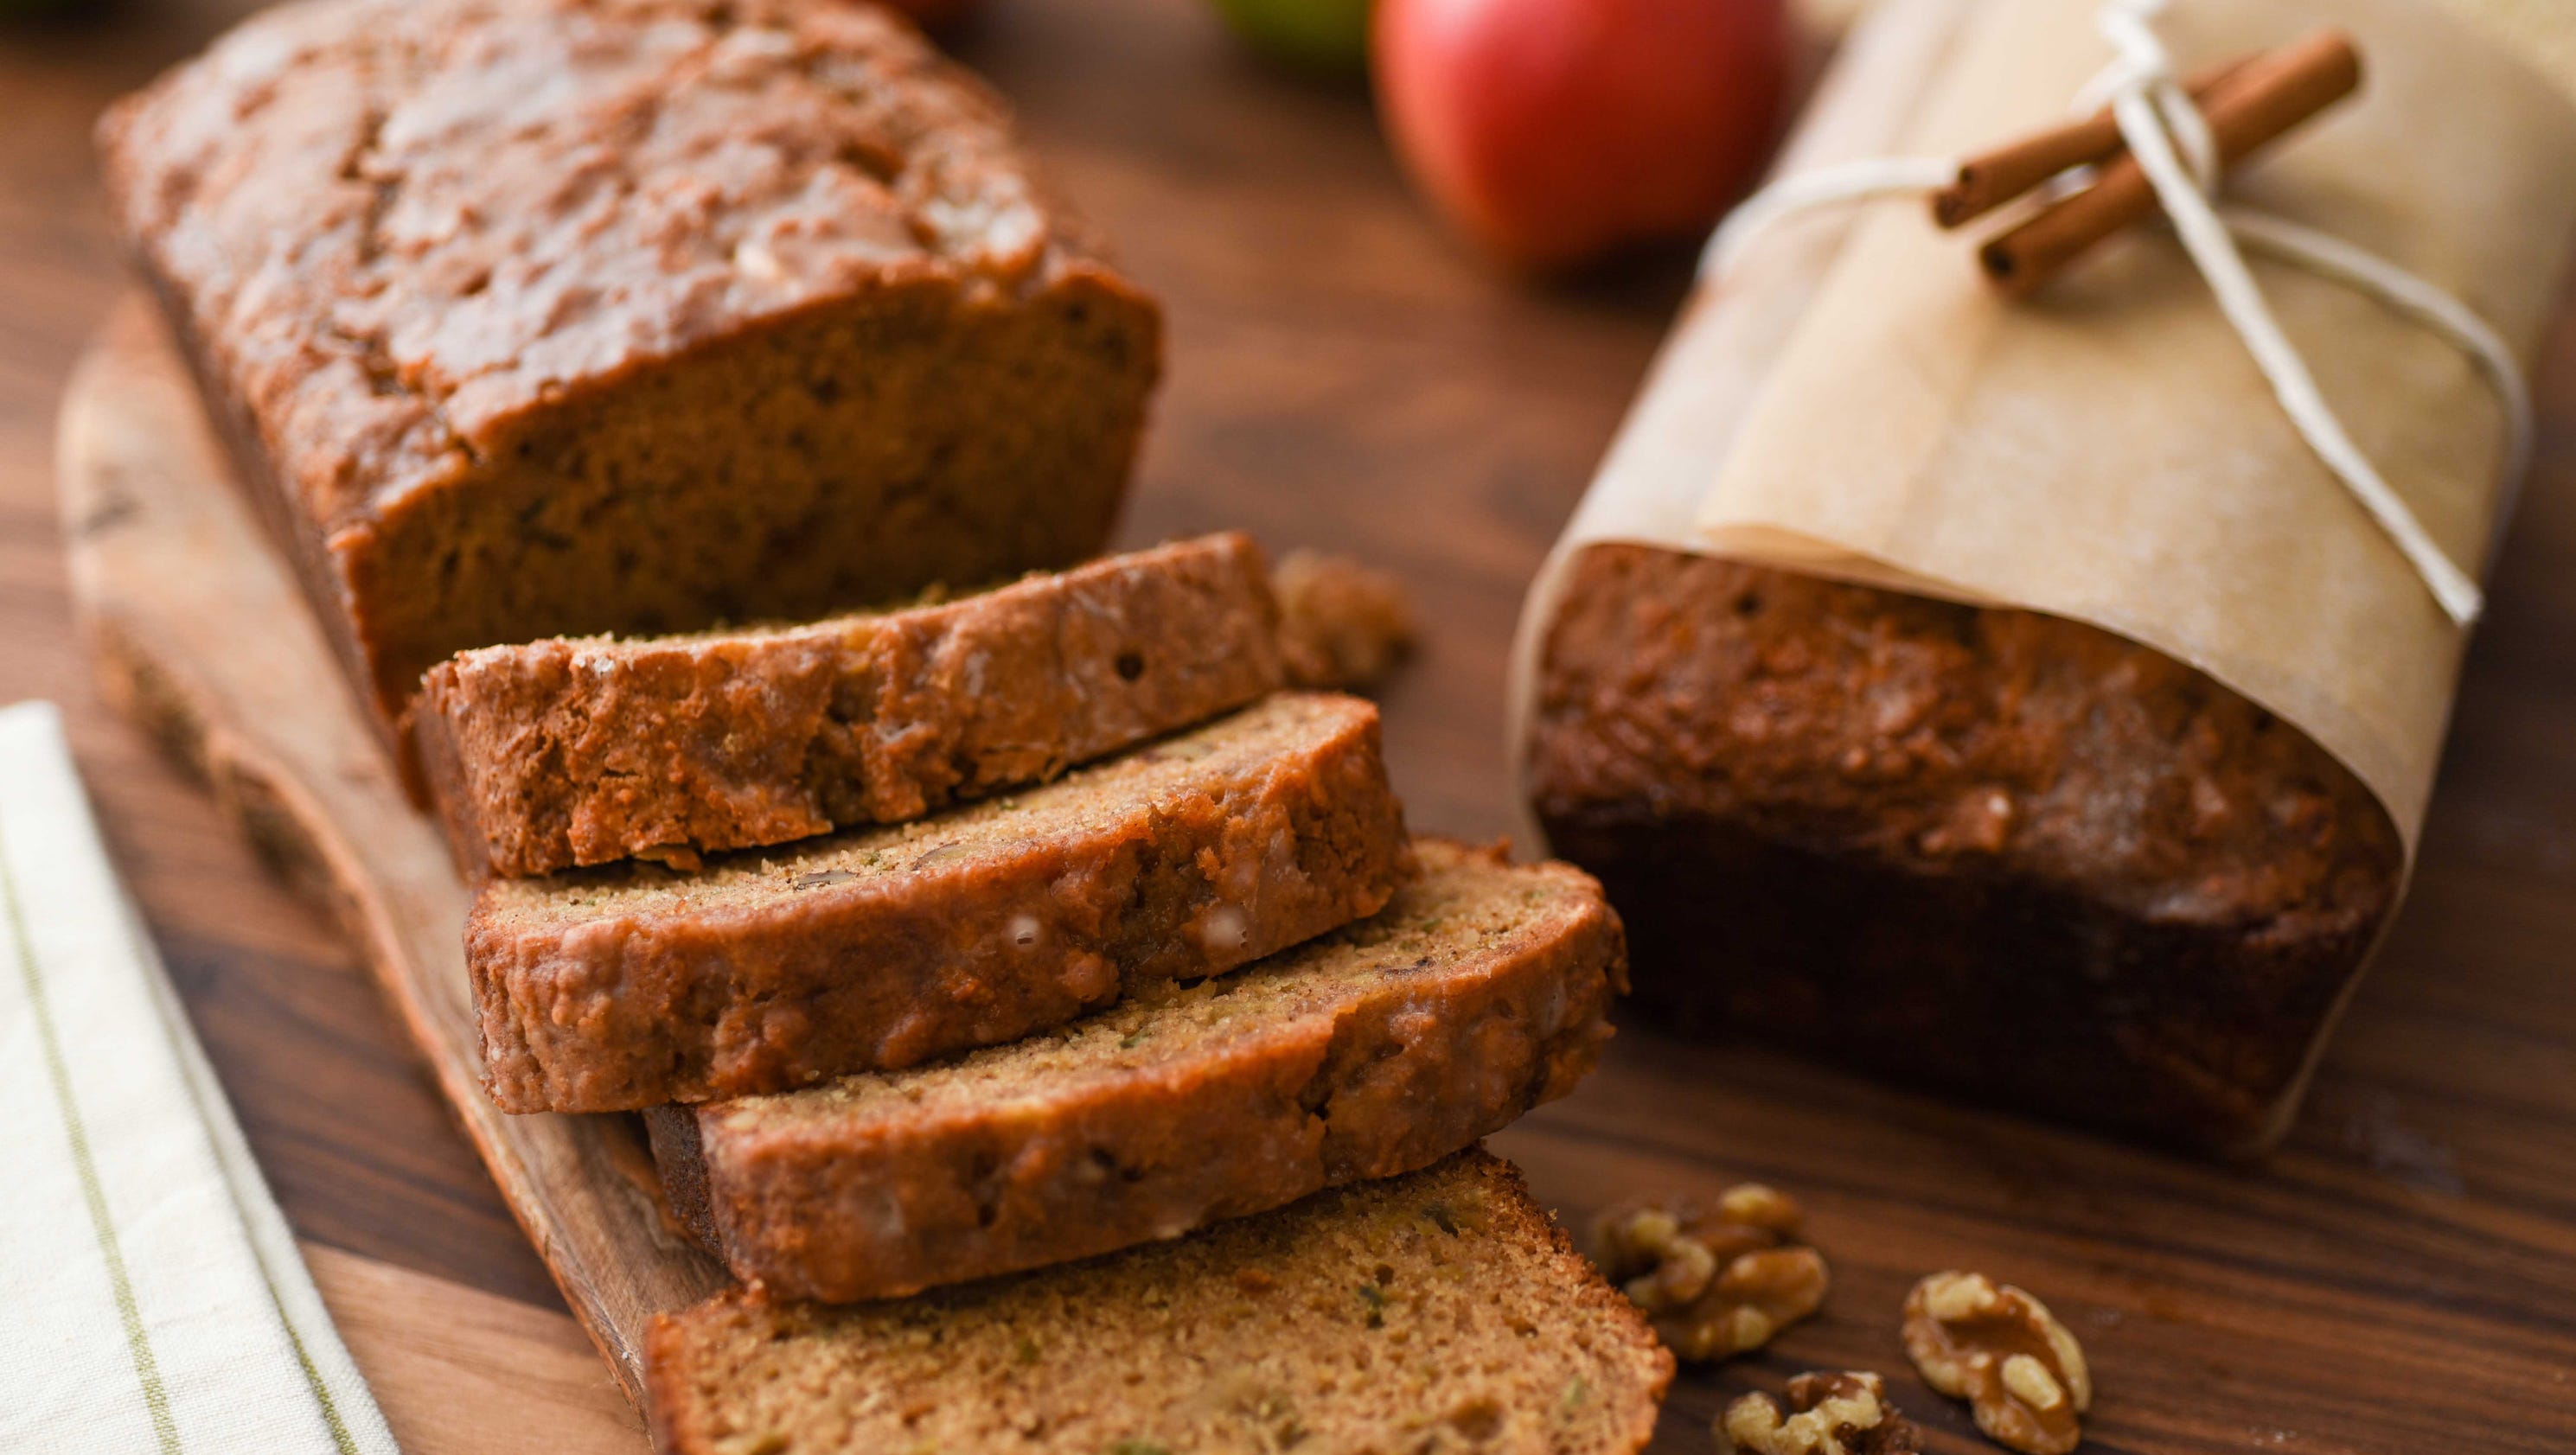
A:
(1329, 37)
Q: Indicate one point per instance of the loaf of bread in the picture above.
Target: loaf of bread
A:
(1475, 995)
(560, 753)
(624, 987)
(571, 316)
(1439, 1311)
(1989, 850)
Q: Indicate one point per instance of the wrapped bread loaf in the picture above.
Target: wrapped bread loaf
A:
(2003, 696)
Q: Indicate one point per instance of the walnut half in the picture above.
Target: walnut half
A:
(1829, 1414)
(1716, 1281)
(2001, 1350)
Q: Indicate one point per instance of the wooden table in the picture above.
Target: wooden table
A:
(2400, 1278)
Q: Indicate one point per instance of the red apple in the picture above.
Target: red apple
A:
(1554, 131)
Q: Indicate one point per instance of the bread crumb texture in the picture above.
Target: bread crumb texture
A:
(564, 752)
(1442, 1311)
(1478, 993)
(1342, 625)
(626, 987)
(1987, 850)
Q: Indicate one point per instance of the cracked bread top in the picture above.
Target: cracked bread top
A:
(400, 227)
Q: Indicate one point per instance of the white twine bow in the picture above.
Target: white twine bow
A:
(2171, 140)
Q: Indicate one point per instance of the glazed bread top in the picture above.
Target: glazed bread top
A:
(399, 227)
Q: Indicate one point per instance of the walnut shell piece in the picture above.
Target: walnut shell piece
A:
(1716, 1280)
(1829, 1414)
(2001, 1350)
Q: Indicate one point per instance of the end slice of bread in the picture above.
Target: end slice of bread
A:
(628, 986)
(1440, 1310)
(1476, 994)
(567, 752)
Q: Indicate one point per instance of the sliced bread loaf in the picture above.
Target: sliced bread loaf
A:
(624, 987)
(571, 316)
(1443, 1310)
(566, 752)
(1476, 994)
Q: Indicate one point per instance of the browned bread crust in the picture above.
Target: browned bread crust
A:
(1476, 994)
(1992, 850)
(1443, 1310)
(620, 988)
(567, 316)
(569, 752)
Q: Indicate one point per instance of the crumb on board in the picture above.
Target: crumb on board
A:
(1341, 624)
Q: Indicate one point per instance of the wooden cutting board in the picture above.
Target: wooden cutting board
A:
(200, 634)
(2400, 1278)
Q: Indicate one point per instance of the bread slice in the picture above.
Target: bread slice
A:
(1476, 994)
(1439, 1311)
(567, 752)
(624, 987)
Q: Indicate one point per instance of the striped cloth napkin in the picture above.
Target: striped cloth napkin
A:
(151, 1298)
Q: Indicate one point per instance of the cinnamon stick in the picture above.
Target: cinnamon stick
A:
(1990, 179)
(2251, 108)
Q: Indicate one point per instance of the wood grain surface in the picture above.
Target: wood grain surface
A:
(2401, 1277)
(459, 1371)
(199, 636)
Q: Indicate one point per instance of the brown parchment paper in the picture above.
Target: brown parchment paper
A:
(1851, 400)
